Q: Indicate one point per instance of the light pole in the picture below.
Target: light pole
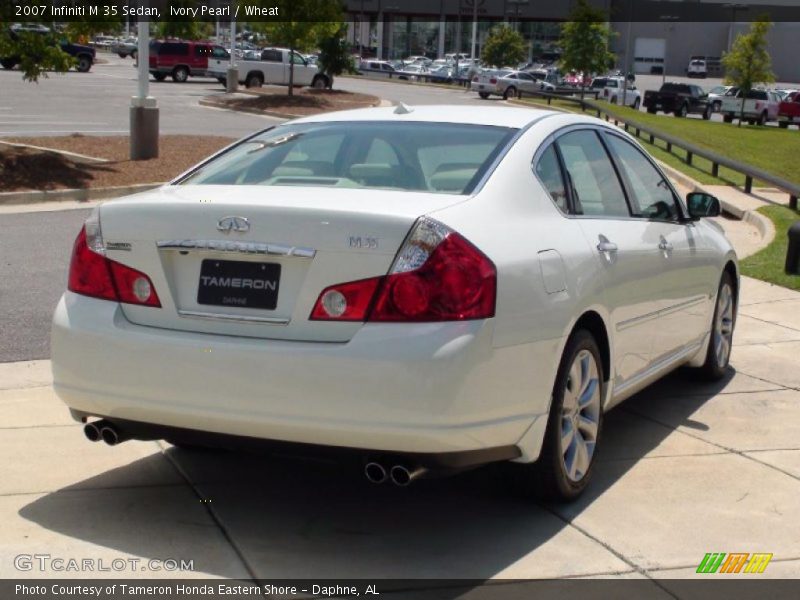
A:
(144, 109)
(232, 76)
(474, 31)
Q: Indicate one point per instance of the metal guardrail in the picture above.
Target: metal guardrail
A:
(750, 173)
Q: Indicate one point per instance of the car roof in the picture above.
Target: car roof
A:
(496, 116)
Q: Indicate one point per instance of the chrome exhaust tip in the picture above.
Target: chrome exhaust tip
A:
(375, 472)
(112, 436)
(92, 431)
(402, 476)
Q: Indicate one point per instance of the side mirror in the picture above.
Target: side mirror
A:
(702, 205)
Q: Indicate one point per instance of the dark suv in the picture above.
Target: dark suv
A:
(181, 59)
(83, 54)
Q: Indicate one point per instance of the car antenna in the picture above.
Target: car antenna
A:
(403, 109)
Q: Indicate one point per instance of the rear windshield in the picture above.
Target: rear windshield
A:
(446, 158)
(675, 88)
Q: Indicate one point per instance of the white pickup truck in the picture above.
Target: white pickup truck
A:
(273, 68)
(760, 106)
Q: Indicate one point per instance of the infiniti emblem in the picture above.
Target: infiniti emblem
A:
(228, 224)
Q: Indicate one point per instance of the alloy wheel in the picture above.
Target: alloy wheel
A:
(723, 327)
(580, 416)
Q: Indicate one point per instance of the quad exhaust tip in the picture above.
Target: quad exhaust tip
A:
(93, 431)
(375, 472)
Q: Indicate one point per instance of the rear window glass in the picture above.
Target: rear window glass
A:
(426, 157)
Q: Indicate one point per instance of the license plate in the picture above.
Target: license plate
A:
(238, 283)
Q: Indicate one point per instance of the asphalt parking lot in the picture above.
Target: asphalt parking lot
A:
(686, 468)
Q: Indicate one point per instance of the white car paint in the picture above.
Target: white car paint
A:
(412, 387)
(273, 67)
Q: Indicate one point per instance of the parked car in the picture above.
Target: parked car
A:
(680, 99)
(420, 60)
(615, 92)
(272, 67)
(485, 81)
(181, 59)
(789, 111)
(84, 55)
(379, 68)
(400, 283)
(518, 83)
(697, 68)
(704, 66)
(126, 47)
(716, 93)
(443, 74)
(760, 106)
(411, 72)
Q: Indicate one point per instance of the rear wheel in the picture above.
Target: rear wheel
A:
(727, 118)
(707, 113)
(8, 63)
(564, 468)
(762, 118)
(783, 124)
(180, 74)
(652, 111)
(721, 335)
(636, 104)
(681, 112)
(254, 80)
(483, 95)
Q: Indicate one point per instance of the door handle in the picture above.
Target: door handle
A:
(665, 245)
(606, 246)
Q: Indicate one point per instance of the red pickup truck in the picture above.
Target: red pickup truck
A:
(789, 111)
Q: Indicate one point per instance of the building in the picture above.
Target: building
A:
(651, 34)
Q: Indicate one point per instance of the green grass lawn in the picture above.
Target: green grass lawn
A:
(769, 148)
(767, 264)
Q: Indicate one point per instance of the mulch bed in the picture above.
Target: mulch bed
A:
(304, 101)
(23, 169)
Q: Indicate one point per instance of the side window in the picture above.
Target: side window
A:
(596, 189)
(652, 196)
(381, 152)
(272, 56)
(298, 60)
(549, 172)
(219, 53)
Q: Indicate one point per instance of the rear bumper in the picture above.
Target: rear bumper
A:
(410, 388)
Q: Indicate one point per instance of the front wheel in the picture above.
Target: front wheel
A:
(254, 80)
(762, 118)
(509, 93)
(707, 113)
(636, 104)
(84, 64)
(681, 112)
(320, 82)
(721, 334)
(564, 468)
(8, 63)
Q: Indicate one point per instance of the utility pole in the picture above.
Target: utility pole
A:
(626, 64)
(474, 29)
(144, 109)
(232, 76)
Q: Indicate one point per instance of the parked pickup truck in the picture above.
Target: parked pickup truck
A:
(789, 111)
(760, 106)
(84, 55)
(273, 68)
(679, 99)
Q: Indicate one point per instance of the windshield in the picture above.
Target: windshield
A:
(427, 157)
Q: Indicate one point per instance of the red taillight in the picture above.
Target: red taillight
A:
(92, 274)
(493, 80)
(438, 276)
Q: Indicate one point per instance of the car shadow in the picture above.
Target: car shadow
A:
(301, 518)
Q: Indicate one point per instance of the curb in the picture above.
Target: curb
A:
(80, 195)
(78, 158)
(211, 102)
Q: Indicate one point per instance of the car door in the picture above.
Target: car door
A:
(686, 281)
(627, 260)
(273, 67)
(527, 83)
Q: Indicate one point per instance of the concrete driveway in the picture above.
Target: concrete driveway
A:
(686, 468)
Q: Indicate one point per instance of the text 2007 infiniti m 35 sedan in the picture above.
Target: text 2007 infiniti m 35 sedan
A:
(429, 288)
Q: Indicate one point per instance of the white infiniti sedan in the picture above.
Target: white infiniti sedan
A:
(429, 288)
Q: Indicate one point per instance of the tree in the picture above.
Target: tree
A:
(749, 63)
(584, 42)
(303, 23)
(334, 53)
(503, 47)
(184, 30)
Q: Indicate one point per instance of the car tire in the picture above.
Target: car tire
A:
(651, 111)
(8, 63)
(180, 74)
(565, 465)
(783, 124)
(707, 113)
(727, 118)
(483, 95)
(134, 55)
(511, 92)
(636, 104)
(721, 334)
(84, 64)
(121, 54)
(320, 82)
(254, 80)
(681, 112)
(159, 76)
(717, 106)
(762, 119)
